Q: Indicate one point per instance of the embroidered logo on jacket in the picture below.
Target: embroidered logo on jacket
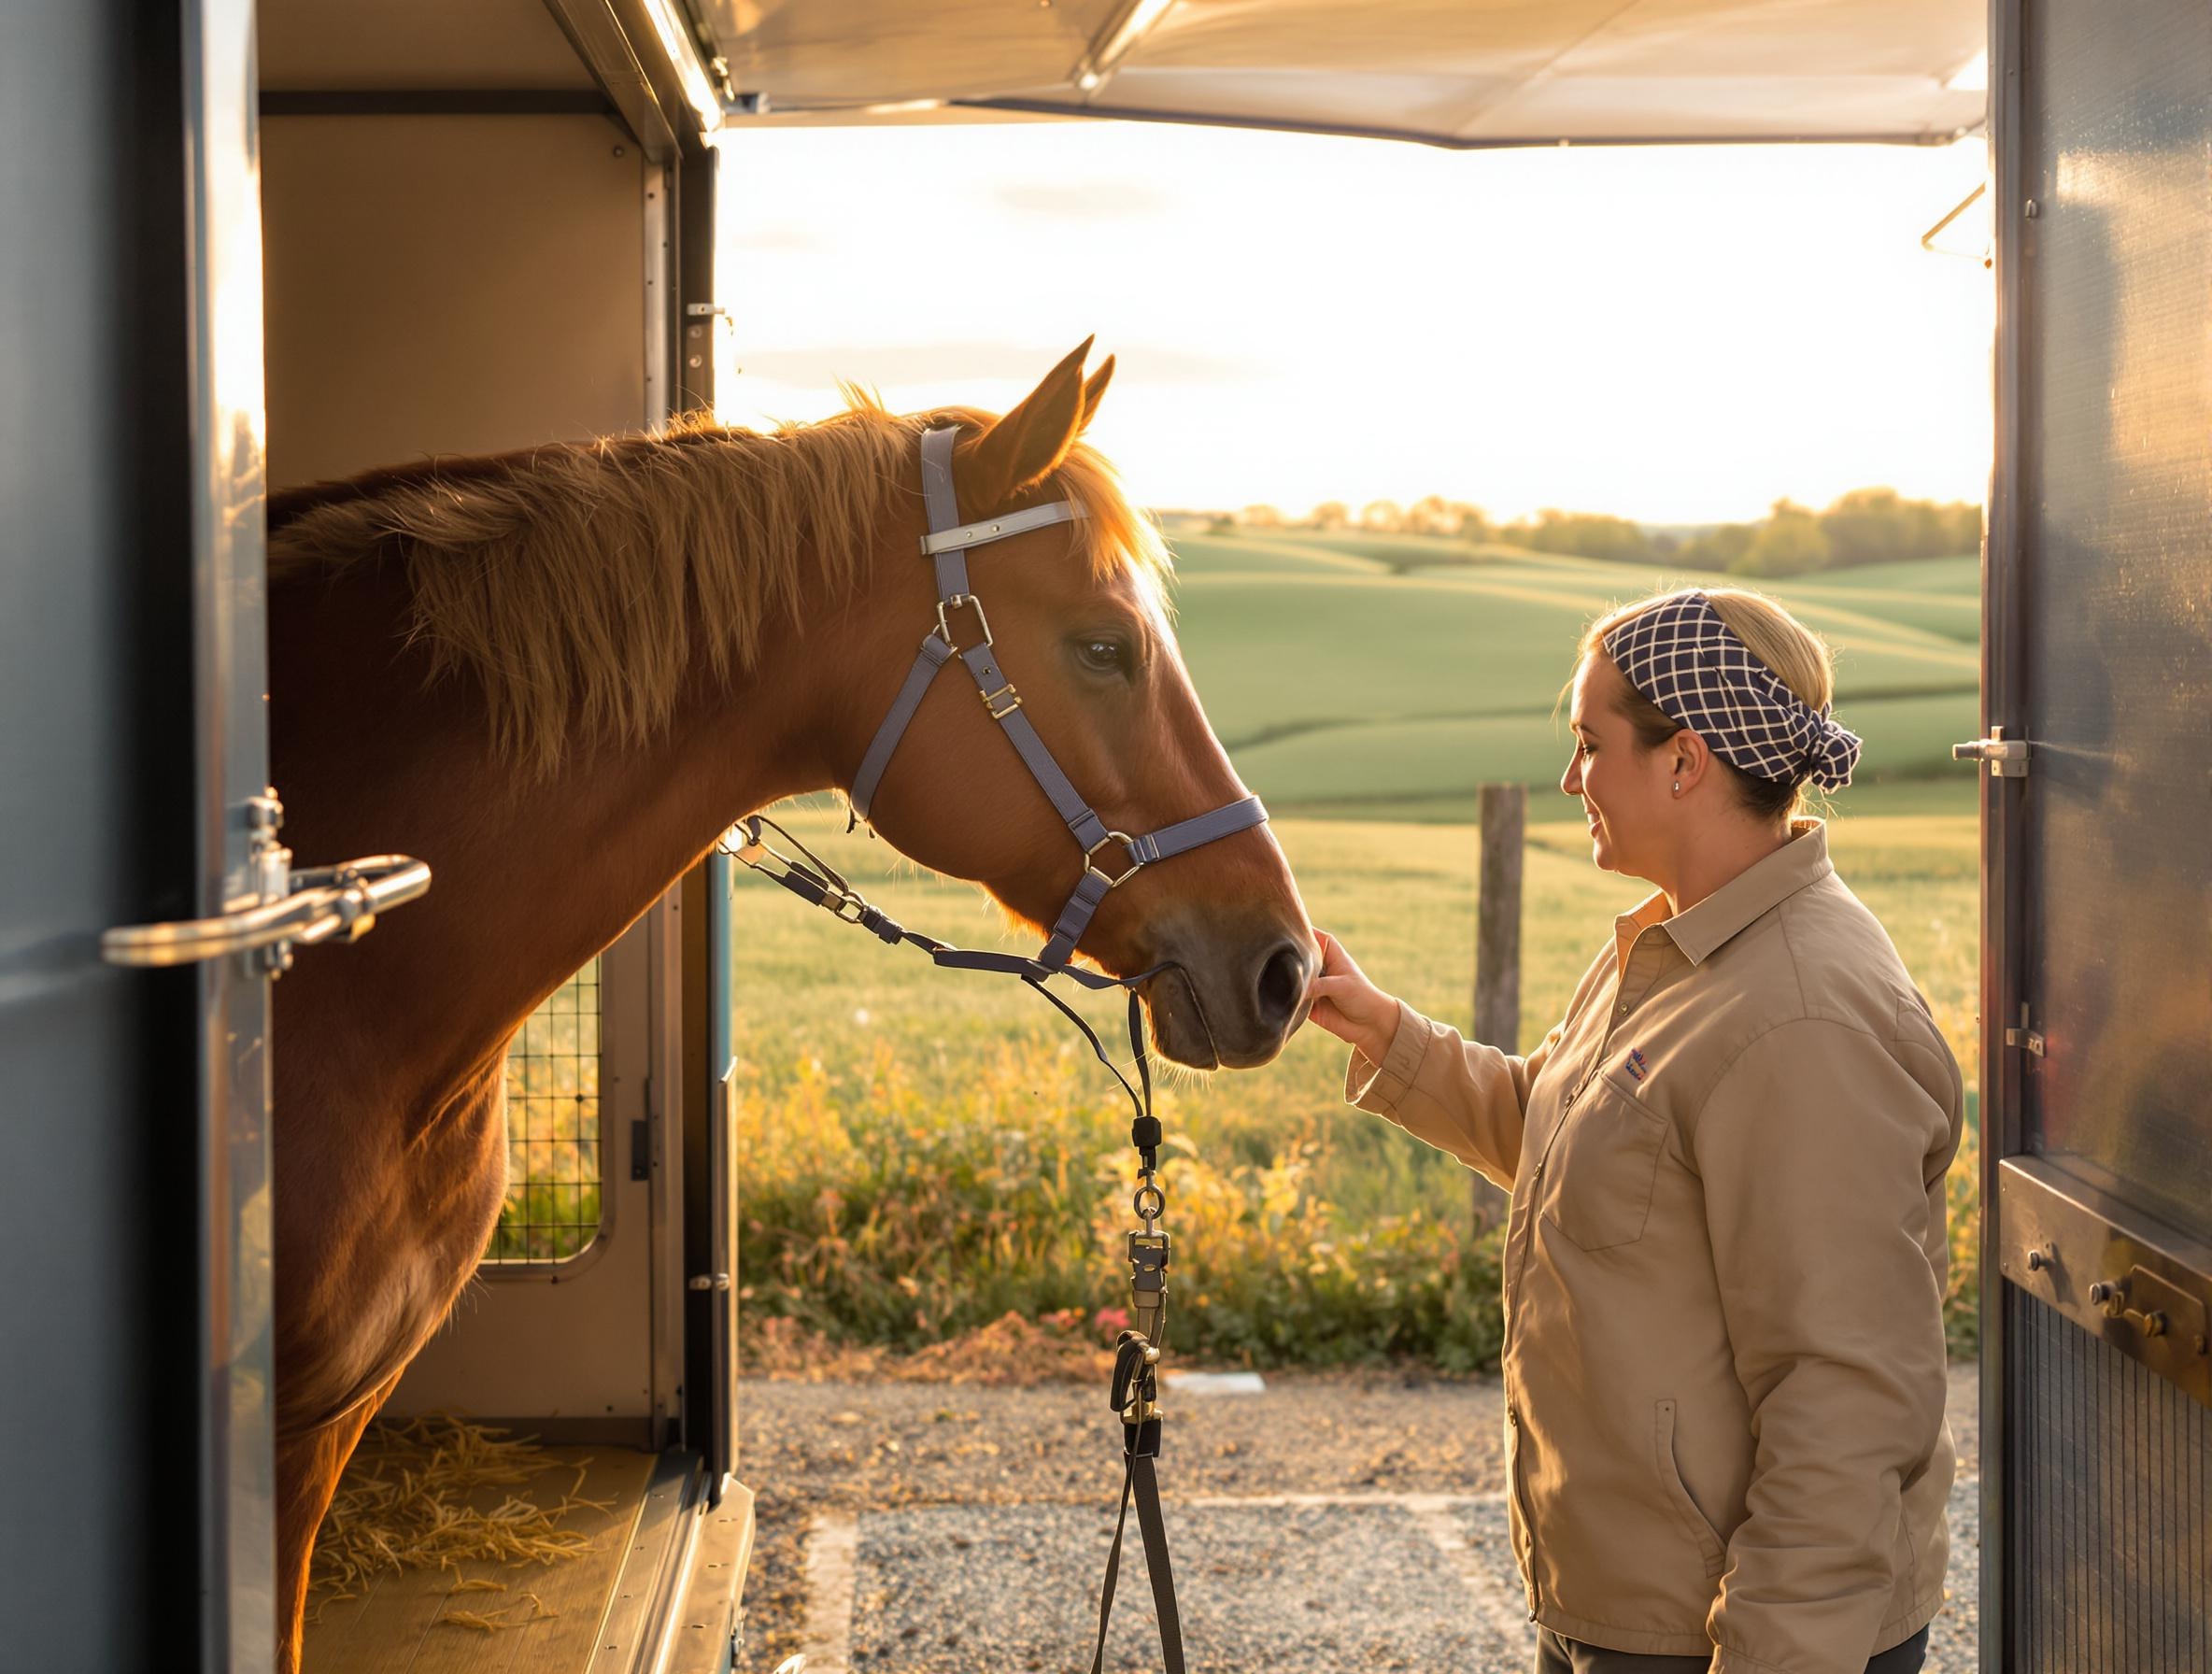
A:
(1636, 1066)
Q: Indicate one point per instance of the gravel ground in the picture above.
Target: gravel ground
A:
(951, 1528)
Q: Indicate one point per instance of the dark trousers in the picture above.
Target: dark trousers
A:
(1557, 1655)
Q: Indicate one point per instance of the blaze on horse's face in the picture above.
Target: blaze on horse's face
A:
(1082, 630)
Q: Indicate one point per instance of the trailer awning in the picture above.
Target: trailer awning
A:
(1465, 73)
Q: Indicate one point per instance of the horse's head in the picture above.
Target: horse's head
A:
(1079, 622)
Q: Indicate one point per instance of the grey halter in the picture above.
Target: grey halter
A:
(946, 546)
(1135, 1390)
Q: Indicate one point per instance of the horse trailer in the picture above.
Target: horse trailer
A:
(307, 238)
(298, 240)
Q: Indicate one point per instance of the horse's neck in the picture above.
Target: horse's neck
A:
(530, 876)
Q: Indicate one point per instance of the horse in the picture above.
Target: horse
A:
(559, 674)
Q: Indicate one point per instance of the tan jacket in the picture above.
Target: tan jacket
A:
(1724, 1275)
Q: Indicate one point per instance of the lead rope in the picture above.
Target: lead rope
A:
(1135, 1391)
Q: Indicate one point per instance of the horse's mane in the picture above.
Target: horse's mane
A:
(578, 583)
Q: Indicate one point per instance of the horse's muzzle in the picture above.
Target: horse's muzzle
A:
(1230, 1003)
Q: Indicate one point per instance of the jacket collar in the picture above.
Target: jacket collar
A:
(1750, 894)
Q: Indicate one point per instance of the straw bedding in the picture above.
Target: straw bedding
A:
(409, 1501)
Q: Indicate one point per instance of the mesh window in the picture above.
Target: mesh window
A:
(552, 1210)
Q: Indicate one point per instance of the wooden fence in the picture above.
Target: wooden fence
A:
(1504, 814)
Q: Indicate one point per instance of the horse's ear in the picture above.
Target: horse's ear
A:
(1094, 387)
(1025, 445)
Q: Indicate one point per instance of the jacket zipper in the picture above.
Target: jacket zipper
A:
(1536, 1591)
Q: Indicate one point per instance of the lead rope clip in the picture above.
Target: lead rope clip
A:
(1148, 1254)
(1135, 1399)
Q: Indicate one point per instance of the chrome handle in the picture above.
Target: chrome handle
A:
(330, 903)
(291, 909)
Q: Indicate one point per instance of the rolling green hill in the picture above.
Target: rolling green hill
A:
(1350, 670)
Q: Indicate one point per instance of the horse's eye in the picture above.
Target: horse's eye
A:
(1107, 656)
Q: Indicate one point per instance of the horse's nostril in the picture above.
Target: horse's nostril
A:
(1282, 985)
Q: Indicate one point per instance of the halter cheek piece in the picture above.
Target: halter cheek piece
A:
(946, 546)
(1135, 1394)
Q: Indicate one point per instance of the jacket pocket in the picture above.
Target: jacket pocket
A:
(1599, 1171)
(1671, 1484)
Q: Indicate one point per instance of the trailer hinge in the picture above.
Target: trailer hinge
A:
(2007, 758)
(2025, 1037)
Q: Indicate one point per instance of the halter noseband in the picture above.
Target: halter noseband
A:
(946, 546)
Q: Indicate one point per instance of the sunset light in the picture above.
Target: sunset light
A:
(1677, 335)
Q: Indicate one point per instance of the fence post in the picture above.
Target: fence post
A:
(1503, 811)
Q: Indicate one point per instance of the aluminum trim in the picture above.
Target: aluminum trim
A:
(702, 1638)
(720, 1304)
(649, 1584)
(610, 54)
(667, 1297)
(1999, 805)
(662, 307)
(228, 427)
(1074, 106)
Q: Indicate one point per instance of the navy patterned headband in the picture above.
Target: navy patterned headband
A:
(1689, 663)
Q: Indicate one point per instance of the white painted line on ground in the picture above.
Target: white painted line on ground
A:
(1416, 1503)
(1499, 1601)
(832, 1551)
(1216, 1383)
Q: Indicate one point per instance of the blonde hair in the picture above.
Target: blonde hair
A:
(1798, 657)
(580, 583)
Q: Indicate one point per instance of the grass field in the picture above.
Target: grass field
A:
(921, 1151)
(1343, 670)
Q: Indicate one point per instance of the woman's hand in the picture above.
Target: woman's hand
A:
(1348, 1006)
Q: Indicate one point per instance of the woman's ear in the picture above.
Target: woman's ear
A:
(1691, 756)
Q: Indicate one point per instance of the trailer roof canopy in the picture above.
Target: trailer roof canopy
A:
(1467, 73)
(635, 60)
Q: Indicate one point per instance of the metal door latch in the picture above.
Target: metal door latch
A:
(2006, 758)
(708, 1282)
(2028, 1039)
(2155, 1307)
(286, 909)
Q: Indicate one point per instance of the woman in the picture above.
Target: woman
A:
(1726, 1261)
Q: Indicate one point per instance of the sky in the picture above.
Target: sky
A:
(1676, 334)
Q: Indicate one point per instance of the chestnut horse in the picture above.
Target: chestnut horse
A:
(558, 675)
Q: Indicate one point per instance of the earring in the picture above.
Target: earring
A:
(1677, 788)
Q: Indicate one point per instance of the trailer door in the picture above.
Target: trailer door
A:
(2097, 977)
(148, 897)
(134, 1454)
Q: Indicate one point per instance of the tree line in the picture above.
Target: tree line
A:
(1866, 526)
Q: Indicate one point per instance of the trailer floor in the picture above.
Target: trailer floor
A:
(403, 1623)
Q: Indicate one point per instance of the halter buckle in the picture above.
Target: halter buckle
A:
(1127, 841)
(944, 630)
(1003, 702)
